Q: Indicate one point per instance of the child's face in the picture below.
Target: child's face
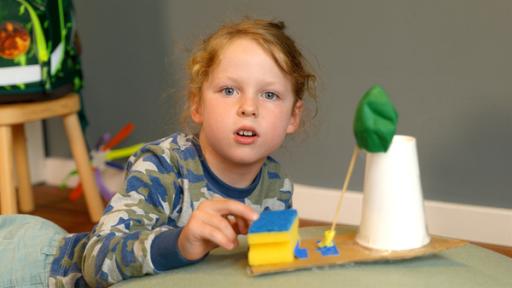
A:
(247, 106)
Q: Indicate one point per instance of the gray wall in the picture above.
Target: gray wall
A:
(445, 64)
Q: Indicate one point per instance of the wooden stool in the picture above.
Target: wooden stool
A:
(12, 142)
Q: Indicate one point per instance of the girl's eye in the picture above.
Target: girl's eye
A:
(270, 95)
(228, 91)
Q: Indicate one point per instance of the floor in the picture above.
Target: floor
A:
(52, 203)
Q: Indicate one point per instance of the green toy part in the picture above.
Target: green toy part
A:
(375, 121)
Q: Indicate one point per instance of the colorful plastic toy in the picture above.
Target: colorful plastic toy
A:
(103, 156)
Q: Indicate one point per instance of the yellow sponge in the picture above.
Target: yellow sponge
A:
(273, 237)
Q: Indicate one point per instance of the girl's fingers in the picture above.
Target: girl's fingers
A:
(215, 222)
(192, 244)
(242, 225)
(238, 224)
(217, 229)
(229, 207)
(233, 222)
(217, 237)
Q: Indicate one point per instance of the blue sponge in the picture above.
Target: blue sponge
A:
(274, 221)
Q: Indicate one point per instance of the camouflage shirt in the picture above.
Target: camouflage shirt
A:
(137, 235)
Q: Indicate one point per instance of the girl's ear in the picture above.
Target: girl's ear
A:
(295, 118)
(195, 111)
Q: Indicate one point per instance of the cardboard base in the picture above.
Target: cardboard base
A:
(352, 252)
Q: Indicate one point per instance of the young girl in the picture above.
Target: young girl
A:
(188, 194)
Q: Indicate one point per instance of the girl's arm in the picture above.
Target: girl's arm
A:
(139, 232)
(120, 245)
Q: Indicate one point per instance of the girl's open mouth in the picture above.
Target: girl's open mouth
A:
(245, 136)
(246, 133)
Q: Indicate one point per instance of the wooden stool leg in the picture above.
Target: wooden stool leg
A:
(7, 191)
(81, 155)
(22, 169)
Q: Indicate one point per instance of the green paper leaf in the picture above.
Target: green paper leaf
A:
(375, 121)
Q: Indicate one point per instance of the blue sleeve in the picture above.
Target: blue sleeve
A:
(165, 254)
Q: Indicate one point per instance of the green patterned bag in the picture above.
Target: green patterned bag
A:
(38, 50)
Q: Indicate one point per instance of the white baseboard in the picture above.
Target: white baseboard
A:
(56, 169)
(35, 147)
(468, 222)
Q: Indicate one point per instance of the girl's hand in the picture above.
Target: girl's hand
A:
(216, 222)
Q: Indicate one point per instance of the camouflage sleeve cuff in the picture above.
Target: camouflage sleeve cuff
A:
(165, 254)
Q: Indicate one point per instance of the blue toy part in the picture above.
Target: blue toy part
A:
(274, 221)
(328, 250)
(300, 253)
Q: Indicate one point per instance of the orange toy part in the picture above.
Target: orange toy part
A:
(123, 133)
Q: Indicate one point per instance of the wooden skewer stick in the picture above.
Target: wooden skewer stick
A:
(344, 189)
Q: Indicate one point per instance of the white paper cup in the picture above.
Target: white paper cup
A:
(393, 216)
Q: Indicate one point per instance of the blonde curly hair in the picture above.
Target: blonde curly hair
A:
(270, 36)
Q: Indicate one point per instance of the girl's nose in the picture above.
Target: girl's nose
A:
(248, 107)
